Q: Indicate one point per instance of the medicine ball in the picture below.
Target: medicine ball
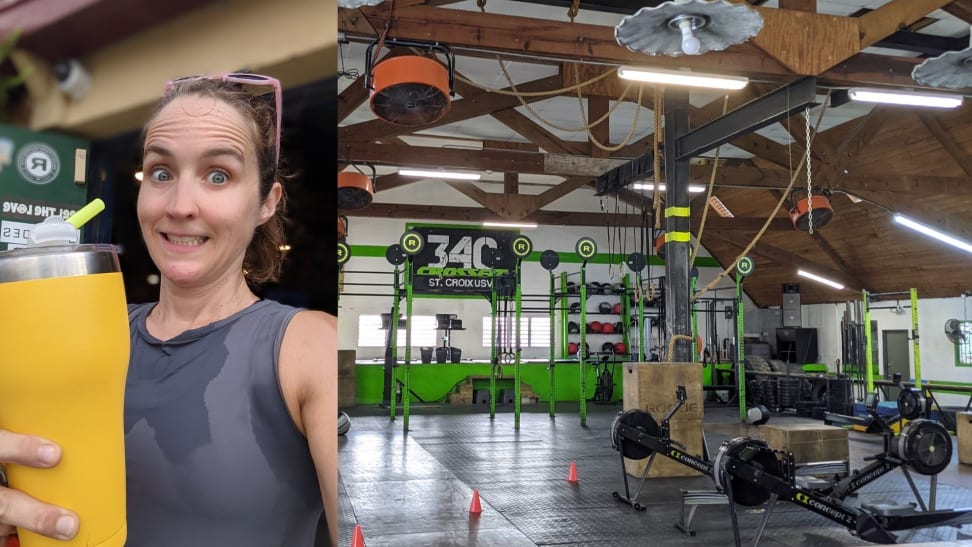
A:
(595, 326)
(607, 328)
(573, 327)
(604, 307)
(619, 327)
(572, 348)
(607, 347)
(575, 307)
(616, 308)
(620, 348)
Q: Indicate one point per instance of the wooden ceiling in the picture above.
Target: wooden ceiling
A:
(916, 162)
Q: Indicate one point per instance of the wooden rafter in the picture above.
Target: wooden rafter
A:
(935, 127)
(479, 214)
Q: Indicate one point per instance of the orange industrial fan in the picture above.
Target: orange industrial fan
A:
(410, 90)
(355, 189)
(815, 205)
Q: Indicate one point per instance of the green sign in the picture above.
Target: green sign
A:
(745, 266)
(522, 246)
(41, 175)
(586, 248)
(412, 242)
(344, 252)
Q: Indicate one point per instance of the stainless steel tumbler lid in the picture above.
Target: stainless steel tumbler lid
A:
(46, 262)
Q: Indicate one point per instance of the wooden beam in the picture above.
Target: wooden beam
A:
(511, 183)
(807, 43)
(832, 253)
(914, 209)
(529, 130)
(478, 214)
(739, 224)
(853, 143)
(884, 21)
(785, 258)
(961, 9)
(470, 106)
(600, 133)
(799, 5)
(935, 127)
(351, 98)
(392, 180)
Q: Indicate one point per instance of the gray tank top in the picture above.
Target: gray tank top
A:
(213, 457)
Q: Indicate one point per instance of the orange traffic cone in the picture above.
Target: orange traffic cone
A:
(475, 506)
(357, 540)
(572, 473)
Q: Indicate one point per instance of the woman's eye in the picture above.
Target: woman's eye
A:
(161, 175)
(218, 177)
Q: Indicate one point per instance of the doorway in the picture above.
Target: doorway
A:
(897, 357)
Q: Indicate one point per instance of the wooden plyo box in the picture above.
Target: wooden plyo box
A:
(689, 433)
(963, 436)
(808, 442)
(651, 387)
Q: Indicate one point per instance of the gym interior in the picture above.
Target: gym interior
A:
(578, 308)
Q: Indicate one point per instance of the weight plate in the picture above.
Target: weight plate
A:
(911, 403)
(925, 446)
(395, 255)
(412, 242)
(636, 262)
(343, 252)
(749, 451)
(642, 421)
(521, 246)
(344, 422)
(586, 248)
(549, 259)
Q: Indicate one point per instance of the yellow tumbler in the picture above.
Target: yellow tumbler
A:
(64, 351)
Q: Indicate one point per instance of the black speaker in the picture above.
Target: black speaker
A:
(791, 288)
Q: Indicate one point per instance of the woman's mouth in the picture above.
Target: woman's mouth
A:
(185, 241)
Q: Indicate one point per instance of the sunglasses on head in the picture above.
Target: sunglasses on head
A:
(243, 79)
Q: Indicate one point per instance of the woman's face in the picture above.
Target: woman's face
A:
(199, 201)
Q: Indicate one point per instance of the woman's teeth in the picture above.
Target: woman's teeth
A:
(185, 241)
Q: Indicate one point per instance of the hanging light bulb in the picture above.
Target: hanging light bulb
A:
(687, 24)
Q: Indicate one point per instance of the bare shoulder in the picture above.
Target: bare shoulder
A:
(308, 355)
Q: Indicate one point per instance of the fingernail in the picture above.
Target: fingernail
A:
(47, 454)
(66, 526)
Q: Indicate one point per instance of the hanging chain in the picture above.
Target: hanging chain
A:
(573, 10)
(806, 116)
(482, 5)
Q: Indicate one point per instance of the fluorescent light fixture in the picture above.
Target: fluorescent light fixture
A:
(909, 98)
(510, 224)
(931, 232)
(433, 174)
(693, 188)
(676, 77)
(818, 279)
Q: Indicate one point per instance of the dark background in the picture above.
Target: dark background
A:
(308, 146)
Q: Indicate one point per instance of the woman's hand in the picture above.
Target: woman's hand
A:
(17, 509)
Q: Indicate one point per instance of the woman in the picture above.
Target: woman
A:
(230, 400)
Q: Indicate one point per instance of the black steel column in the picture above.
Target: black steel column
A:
(678, 309)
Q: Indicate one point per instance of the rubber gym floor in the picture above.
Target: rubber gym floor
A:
(415, 489)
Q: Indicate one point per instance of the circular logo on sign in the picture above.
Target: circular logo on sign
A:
(745, 266)
(38, 163)
(412, 242)
(586, 248)
(522, 246)
(344, 252)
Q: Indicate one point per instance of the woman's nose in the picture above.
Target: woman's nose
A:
(182, 199)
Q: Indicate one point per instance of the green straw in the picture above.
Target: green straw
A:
(86, 213)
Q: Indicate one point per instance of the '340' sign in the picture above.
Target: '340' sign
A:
(457, 260)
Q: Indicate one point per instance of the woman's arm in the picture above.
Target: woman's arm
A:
(308, 377)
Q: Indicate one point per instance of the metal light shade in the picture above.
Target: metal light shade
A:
(822, 212)
(355, 190)
(689, 27)
(952, 69)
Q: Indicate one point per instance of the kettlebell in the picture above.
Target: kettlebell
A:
(605, 307)
(607, 347)
(573, 327)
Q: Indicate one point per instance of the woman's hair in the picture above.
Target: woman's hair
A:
(263, 260)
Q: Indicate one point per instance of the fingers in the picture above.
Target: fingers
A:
(22, 511)
(28, 450)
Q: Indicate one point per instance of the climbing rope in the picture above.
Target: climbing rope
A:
(590, 135)
(708, 195)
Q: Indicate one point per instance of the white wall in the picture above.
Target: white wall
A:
(937, 353)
